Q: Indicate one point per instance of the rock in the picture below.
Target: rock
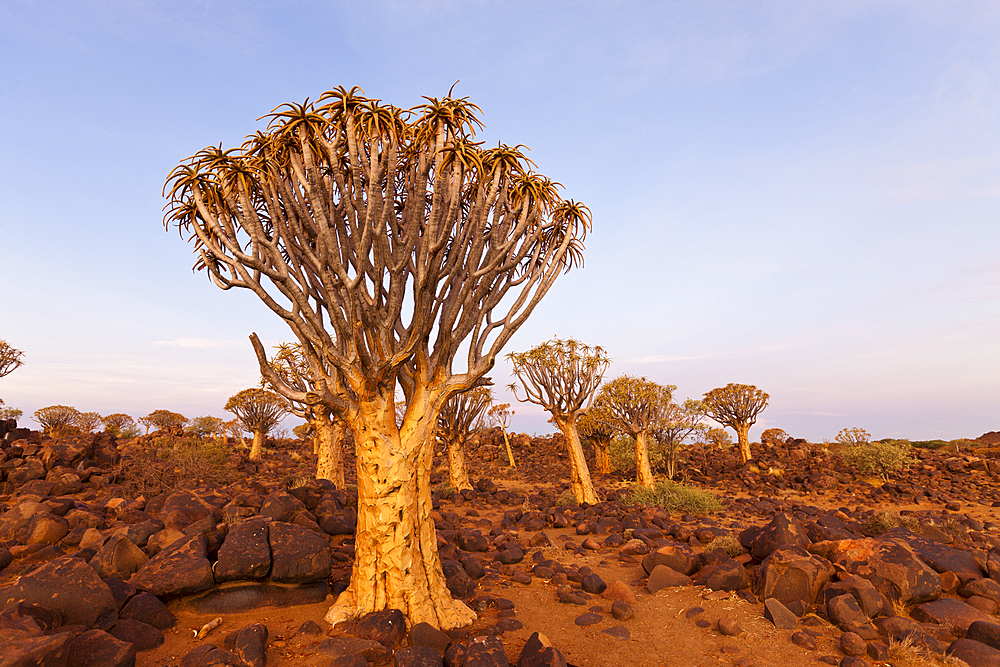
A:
(417, 656)
(239, 596)
(845, 611)
(622, 611)
(940, 557)
(71, 587)
(343, 648)
(852, 661)
(590, 618)
(663, 576)
(869, 599)
(804, 640)
(96, 648)
(779, 615)
(162, 539)
(679, 558)
(118, 558)
(209, 655)
(148, 608)
(618, 632)
(46, 528)
(473, 541)
(182, 568)
(593, 584)
(781, 531)
(250, 644)
(425, 634)
(45, 650)
(121, 591)
(245, 553)
(986, 632)
(974, 653)
(180, 509)
(852, 644)
(298, 555)
(986, 588)
(899, 574)
(729, 626)
(538, 651)
(388, 627)
(17, 518)
(619, 590)
(567, 595)
(725, 575)
(898, 627)
(950, 613)
(792, 573)
(142, 636)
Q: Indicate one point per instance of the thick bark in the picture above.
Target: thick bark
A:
(743, 436)
(510, 452)
(643, 472)
(583, 487)
(257, 446)
(329, 439)
(458, 477)
(396, 562)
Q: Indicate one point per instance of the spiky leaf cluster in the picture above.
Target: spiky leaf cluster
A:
(561, 375)
(463, 414)
(735, 405)
(10, 358)
(257, 409)
(56, 417)
(162, 420)
(632, 404)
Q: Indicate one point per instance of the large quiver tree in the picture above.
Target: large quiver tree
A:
(385, 239)
(736, 406)
(562, 376)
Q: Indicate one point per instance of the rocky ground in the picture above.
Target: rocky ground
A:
(114, 553)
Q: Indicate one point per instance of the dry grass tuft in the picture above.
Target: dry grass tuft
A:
(906, 653)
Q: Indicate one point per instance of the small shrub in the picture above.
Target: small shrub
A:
(728, 543)
(9, 413)
(675, 497)
(567, 499)
(883, 458)
(907, 653)
(883, 520)
(172, 463)
(928, 444)
(853, 436)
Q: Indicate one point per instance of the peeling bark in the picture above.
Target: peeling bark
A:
(458, 476)
(329, 439)
(396, 562)
(743, 436)
(602, 457)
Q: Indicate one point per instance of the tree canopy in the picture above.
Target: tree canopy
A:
(10, 358)
(737, 406)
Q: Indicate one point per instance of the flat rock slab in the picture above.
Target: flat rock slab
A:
(618, 632)
(246, 596)
(589, 618)
(949, 612)
(180, 569)
(70, 586)
(974, 653)
(342, 647)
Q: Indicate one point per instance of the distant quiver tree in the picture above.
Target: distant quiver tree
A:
(163, 420)
(600, 434)
(561, 375)
(259, 410)
(499, 415)
(57, 419)
(736, 406)
(119, 424)
(393, 246)
(460, 416)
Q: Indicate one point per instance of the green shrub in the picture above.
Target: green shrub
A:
(929, 444)
(884, 458)
(728, 543)
(675, 497)
(567, 499)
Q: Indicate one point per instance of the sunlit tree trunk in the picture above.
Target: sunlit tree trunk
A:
(643, 472)
(583, 487)
(329, 438)
(396, 562)
(510, 452)
(458, 477)
(602, 456)
(743, 436)
(257, 446)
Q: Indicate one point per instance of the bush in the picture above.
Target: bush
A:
(883, 458)
(171, 463)
(675, 497)
(929, 444)
(728, 543)
(883, 520)
(567, 499)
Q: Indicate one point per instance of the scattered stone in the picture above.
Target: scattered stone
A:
(622, 611)
(343, 648)
(663, 576)
(852, 644)
(118, 558)
(974, 653)
(804, 640)
(779, 615)
(618, 632)
(729, 626)
(538, 651)
(387, 627)
(69, 586)
(986, 632)
(142, 636)
(949, 612)
(250, 644)
(589, 618)
(148, 608)
(417, 656)
(425, 634)
(96, 648)
(619, 590)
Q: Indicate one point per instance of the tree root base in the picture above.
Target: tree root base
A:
(456, 615)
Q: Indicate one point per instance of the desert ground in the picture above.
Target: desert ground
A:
(804, 561)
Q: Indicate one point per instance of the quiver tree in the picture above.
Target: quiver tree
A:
(850, 437)
(600, 434)
(57, 419)
(386, 239)
(718, 437)
(9, 412)
(772, 437)
(259, 410)
(208, 426)
(499, 416)
(679, 422)
(459, 417)
(637, 407)
(289, 363)
(88, 422)
(10, 358)
(562, 376)
(163, 420)
(119, 424)
(737, 406)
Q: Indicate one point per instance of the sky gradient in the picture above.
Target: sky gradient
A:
(799, 195)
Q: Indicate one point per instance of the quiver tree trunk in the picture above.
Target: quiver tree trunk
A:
(458, 477)
(743, 438)
(583, 487)
(329, 438)
(602, 455)
(257, 446)
(510, 452)
(643, 472)
(396, 563)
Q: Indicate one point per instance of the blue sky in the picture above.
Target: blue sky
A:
(799, 195)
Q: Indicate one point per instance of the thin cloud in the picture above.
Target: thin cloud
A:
(197, 343)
